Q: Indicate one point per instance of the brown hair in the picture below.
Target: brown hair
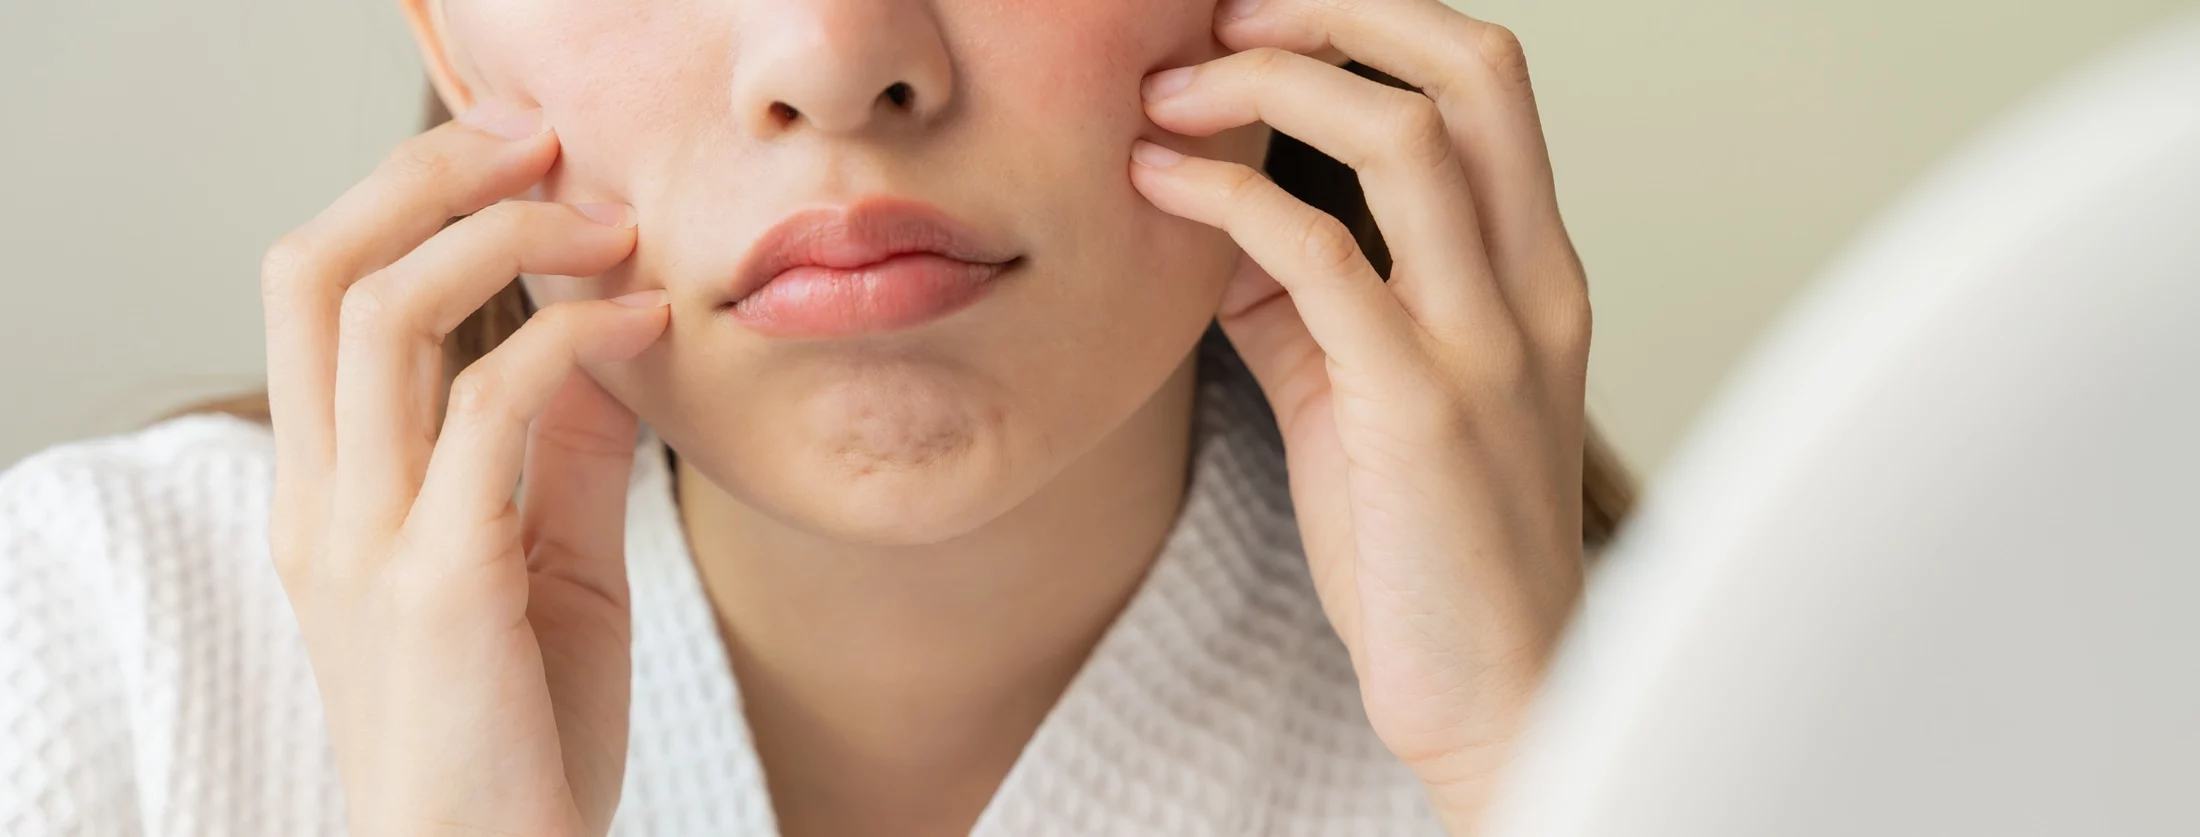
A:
(1607, 491)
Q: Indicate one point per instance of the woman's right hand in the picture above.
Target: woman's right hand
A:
(472, 651)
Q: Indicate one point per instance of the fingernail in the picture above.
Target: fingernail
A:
(1153, 156)
(503, 120)
(1234, 9)
(1168, 83)
(645, 299)
(607, 214)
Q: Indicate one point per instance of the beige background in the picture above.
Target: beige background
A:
(1711, 154)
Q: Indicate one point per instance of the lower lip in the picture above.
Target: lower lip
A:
(900, 292)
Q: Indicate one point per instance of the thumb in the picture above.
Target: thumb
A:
(580, 454)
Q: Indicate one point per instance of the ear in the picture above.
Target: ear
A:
(426, 19)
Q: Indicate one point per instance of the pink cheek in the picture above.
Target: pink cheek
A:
(599, 69)
(599, 138)
(612, 122)
(1079, 66)
(1084, 44)
(1132, 33)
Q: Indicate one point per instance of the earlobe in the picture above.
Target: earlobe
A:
(425, 17)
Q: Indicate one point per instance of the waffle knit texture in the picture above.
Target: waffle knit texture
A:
(153, 682)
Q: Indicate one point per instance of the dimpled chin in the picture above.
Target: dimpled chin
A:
(904, 455)
(890, 426)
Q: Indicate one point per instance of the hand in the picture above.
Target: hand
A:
(472, 653)
(1433, 425)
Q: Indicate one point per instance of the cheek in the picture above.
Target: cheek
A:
(1080, 63)
(619, 79)
(1073, 76)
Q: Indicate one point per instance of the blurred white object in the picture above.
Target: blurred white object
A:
(1932, 565)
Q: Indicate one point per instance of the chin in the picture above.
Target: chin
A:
(933, 504)
(905, 457)
(878, 452)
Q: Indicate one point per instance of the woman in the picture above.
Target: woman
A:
(938, 466)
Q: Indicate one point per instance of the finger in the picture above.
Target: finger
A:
(1265, 328)
(1477, 74)
(477, 463)
(450, 170)
(389, 356)
(1357, 322)
(580, 454)
(1394, 138)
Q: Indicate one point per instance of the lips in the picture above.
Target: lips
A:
(873, 266)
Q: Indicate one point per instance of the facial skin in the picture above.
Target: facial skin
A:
(1020, 126)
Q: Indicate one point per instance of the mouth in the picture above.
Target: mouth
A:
(872, 266)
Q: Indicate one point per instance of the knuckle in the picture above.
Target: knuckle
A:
(371, 310)
(1424, 139)
(291, 556)
(287, 262)
(558, 321)
(503, 217)
(1321, 13)
(478, 394)
(1327, 244)
(502, 223)
(1263, 64)
(1568, 323)
(1242, 183)
(1501, 50)
(418, 161)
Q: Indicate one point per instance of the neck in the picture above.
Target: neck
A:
(890, 688)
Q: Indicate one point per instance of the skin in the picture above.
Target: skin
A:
(913, 539)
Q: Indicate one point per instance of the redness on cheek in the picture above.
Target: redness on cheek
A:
(622, 81)
(584, 55)
(1087, 43)
(1084, 62)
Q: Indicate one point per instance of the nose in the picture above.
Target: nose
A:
(840, 67)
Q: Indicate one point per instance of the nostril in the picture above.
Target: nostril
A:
(899, 94)
(829, 114)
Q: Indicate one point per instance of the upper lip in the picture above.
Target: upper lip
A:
(860, 234)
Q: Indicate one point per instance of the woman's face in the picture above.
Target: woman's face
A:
(719, 119)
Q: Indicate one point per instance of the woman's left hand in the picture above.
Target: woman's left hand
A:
(1433, 424)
